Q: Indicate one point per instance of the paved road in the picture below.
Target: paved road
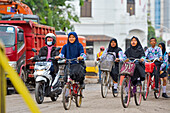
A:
(92, 103)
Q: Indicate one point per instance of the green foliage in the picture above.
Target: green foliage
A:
(56, 13)
(151, 33)
(159, 39)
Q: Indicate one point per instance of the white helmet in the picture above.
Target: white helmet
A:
(52, 36)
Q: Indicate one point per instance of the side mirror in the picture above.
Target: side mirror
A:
(58, 48)
(34, 50)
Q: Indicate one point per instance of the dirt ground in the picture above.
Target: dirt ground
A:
(92, 103)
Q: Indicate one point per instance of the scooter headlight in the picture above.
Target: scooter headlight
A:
(40, 72)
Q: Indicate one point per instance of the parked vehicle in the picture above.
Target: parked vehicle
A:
(19, 37)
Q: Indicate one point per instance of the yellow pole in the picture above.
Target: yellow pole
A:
(18, 84)
(3, 90)
(2, 84)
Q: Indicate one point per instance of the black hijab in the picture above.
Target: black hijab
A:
(115, 49)
(163, 48)
(135, 51)
(168, 58)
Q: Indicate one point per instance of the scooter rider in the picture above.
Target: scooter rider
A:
(50, 51)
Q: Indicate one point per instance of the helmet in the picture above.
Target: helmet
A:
(52, 36)
(101, 48)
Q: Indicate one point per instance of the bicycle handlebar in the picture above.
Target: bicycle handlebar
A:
(135, 59)
(156, 59)
(70, 60)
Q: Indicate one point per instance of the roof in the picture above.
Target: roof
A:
(97, 38)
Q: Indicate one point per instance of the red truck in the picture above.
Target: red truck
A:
(19, 37)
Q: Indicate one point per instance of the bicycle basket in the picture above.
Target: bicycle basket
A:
(106, 65)
(107, 62)
(128, 68)
(149, 67)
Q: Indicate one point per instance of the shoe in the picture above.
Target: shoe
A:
(115, 91)
(156, 90)
(165, 95)
(126, 99)
(67, 98)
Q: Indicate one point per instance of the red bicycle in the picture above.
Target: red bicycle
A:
(71, 89)
(150, 81)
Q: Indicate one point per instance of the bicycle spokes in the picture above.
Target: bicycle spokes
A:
(125, 92)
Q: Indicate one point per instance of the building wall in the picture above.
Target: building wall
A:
(110, 18)
(167, 13)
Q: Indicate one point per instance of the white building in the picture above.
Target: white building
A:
(102, 20)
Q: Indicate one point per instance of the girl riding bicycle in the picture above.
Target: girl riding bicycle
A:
(136, 51)
(163, 69)
(74, 49)
(113, 47)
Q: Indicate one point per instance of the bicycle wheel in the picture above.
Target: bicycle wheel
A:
(145, 86)
(78, 98)
(105, 84)
(115, 94)
(157, 94)
(138, 95)
(67, 96)
(125, 92)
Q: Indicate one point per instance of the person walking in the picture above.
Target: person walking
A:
(99, 54)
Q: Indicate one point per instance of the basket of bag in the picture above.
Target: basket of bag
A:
(128, 68)
(107, 62)
(149, 67)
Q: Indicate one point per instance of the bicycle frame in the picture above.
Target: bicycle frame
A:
(151, 81)
(74, 85)
(132, 90)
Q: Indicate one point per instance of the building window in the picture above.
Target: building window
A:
(157, 14)
(131, 7)
(86, 9)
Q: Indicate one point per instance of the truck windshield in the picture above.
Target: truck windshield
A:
(7, 35)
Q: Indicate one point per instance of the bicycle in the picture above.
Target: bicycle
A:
(107, 81)
(129, 90)
(150, 81)
(71, 89)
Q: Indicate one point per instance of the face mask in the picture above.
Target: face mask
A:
(49, 43)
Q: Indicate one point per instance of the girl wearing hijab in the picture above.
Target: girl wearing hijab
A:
(163, 69)
(73, 49)
(136, 51)
(113, 47)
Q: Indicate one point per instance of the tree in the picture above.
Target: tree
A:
(56, 13)
(151, 33)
